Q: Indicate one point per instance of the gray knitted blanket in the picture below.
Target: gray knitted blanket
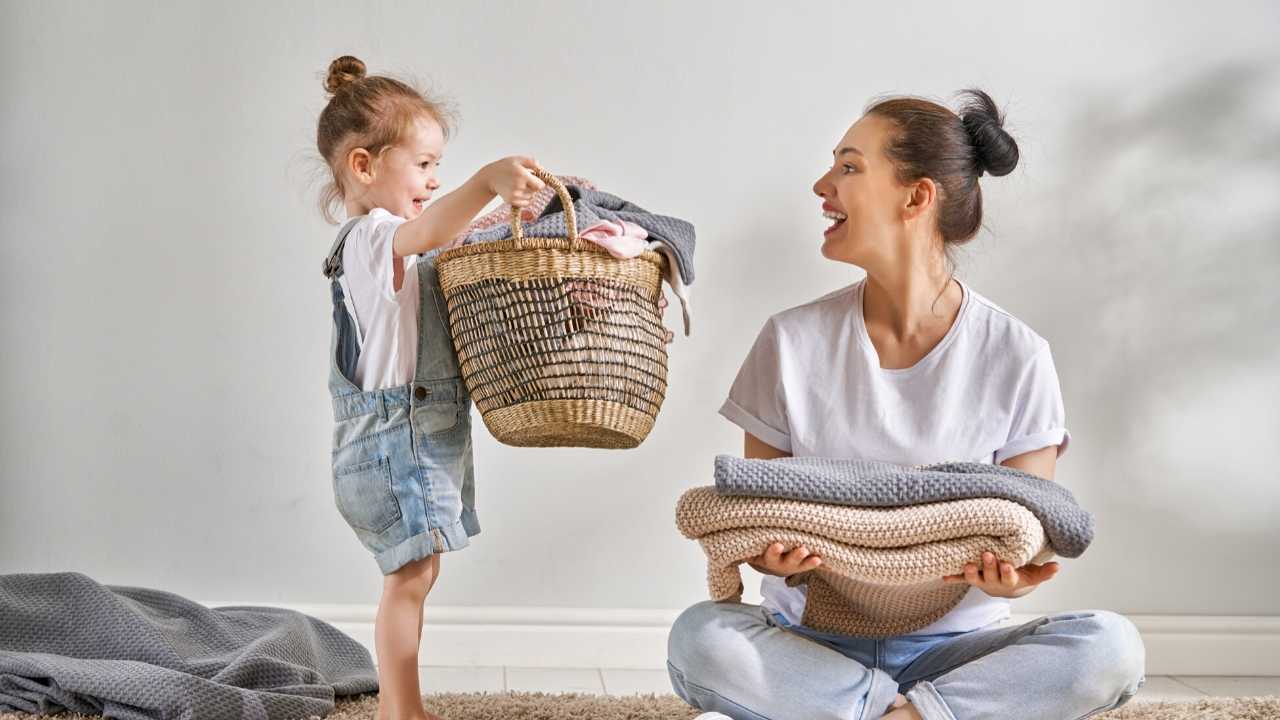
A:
(68, 643)
(877, 484)
(592, 206)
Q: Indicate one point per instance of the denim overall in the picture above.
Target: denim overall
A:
(402, 468)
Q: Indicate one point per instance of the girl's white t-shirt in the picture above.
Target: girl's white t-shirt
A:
(386, 319)
(812, 385)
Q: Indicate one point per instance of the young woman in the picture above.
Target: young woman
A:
(908, 365)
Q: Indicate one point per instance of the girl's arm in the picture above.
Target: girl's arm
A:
(443, 219)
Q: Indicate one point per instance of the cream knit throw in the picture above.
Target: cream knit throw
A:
(882, 568)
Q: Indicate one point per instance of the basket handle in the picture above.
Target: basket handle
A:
(570, 218)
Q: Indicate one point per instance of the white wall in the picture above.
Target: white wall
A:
(165, 420)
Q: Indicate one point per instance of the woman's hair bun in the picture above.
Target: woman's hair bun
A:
(344, 70)
(997, 152)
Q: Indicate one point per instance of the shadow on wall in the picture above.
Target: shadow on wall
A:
(1158, 253)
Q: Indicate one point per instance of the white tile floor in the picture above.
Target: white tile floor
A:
(627, 682)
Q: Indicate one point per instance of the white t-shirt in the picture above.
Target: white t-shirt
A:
(812, 385)
(387, 320)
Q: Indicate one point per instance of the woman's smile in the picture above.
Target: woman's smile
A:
(829, 212)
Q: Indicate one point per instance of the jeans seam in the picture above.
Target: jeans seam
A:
(975, 658)
(1095, 711)
(371, 436)
(867, 708)
(689, 683)
(933, 696)
(1124, 697)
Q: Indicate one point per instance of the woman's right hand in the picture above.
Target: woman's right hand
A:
(775, 561)
(512, 179)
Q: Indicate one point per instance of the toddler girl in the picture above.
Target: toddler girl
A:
(402, 464)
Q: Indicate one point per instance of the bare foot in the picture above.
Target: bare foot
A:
(901, 710)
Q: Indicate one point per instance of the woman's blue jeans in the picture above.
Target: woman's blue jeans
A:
(749, 664)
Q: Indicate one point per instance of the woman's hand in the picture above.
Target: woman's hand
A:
(512, 179)
(775, 562)
(1004, 582)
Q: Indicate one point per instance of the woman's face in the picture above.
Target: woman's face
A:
(861, 196)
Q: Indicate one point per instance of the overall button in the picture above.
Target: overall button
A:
(421, 393)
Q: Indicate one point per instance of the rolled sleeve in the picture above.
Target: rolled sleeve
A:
(757, 398)
(1039, 418)
(738, 415)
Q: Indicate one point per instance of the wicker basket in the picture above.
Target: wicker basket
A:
(560, 344)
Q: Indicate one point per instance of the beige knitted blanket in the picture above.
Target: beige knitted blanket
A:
(882, 568)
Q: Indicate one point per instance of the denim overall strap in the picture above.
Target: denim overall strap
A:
(333, 261)
(437, 369)
(344, 348)
(436, 376)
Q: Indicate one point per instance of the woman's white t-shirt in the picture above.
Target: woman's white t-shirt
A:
(812, 385)
(386, 319)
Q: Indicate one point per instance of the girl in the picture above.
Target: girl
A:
(911, 366)
(402, 465)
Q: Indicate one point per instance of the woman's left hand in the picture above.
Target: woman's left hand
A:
(1004, 581)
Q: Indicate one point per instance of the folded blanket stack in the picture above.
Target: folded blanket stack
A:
(886, 533)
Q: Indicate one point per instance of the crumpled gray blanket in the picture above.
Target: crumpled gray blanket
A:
(591, 206)
(68, 643)
(869, 483)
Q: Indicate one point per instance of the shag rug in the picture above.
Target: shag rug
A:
(572, 706)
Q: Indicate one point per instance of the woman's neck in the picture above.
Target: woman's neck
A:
(915, 302)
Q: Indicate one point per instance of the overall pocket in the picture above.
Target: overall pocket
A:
(436, 418)
(364, 495)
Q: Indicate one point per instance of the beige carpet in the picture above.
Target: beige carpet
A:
(539, 706)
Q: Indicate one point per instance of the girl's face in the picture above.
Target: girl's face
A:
(403, 176)
(861, 196)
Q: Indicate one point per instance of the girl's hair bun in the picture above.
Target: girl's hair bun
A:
(997, 152)
(343, 71)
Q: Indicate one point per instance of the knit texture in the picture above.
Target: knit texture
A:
(590, 207)
(502, 214)
(878, 484)
(69, 643)
(882, 568)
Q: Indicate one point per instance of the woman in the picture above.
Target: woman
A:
(911, 366)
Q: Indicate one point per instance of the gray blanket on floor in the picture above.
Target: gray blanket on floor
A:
(877, 484)
(592, 206)
(69, 643)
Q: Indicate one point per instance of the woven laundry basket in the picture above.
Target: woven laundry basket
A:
(560, 344)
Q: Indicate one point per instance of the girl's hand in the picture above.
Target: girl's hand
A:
(511, 179)
(775, 562)
(1004, 582)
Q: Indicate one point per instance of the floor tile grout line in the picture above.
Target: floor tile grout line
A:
(1186, 684)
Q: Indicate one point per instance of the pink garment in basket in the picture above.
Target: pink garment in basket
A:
(622, 239)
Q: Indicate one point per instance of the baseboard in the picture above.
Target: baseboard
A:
(637, 638)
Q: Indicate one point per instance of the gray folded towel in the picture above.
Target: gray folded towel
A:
(878, 484)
